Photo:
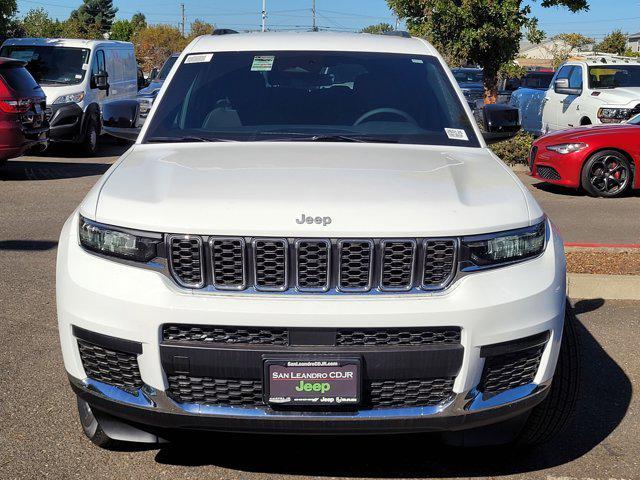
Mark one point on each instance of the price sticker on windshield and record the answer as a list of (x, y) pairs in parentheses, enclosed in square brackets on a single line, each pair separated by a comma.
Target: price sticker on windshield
[(262, 63), (456, 134), (199, 58)]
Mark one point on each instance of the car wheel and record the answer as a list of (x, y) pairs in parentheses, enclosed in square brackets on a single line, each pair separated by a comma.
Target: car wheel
[(89, 144), (91, 427), (554, 413), (606, 174)]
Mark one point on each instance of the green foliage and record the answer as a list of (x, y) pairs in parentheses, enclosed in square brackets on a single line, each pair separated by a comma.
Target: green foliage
[(516, 150), (121, 30), (199, 27), (95, 15), (75, 28), (8, 9), (575, 40), (378, 28), (615, 42), (483, 32), (631, 53), (38, 23), (512, 70), (139, 21)]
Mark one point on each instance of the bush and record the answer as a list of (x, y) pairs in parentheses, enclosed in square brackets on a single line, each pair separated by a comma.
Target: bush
[(516, 150)]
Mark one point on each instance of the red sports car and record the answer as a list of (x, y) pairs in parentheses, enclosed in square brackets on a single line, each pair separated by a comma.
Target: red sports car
[(604, 160)]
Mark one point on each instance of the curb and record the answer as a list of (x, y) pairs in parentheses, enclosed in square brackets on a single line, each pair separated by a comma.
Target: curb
[(606, 287), (519, 168)]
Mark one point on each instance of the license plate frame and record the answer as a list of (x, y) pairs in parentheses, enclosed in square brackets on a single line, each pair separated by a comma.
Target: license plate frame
[(343, 392)]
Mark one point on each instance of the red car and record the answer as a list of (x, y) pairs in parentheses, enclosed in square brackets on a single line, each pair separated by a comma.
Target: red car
[(23, 123), (604, 160)]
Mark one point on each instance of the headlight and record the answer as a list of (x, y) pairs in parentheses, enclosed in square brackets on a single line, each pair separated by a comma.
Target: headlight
[(70, 98), (565, 148), (614, 115), (484, 251), (115, 242)]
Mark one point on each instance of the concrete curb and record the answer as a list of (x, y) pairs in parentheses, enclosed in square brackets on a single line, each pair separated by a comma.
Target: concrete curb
[(607, 287), (519, 168)]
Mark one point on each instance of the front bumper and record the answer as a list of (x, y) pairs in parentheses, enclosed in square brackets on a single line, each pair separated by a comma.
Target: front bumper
[(66, 122), (567, 167), (132, 304)]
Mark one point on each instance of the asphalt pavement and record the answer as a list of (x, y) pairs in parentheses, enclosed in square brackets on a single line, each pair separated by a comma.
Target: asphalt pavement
[(39, 432)]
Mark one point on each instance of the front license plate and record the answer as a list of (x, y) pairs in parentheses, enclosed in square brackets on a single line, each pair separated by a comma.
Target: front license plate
[(309, 381)]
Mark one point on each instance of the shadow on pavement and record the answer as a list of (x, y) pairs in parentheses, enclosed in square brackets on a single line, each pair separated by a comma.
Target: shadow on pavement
[(605, 398), (573, 192), (107, 147), (27, 245), (20, 170)]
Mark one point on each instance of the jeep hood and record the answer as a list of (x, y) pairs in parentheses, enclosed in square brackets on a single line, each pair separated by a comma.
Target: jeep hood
[(261, 188)]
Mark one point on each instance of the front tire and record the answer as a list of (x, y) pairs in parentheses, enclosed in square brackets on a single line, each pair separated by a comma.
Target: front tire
[(91, 427), (554, 413), (89, 143), (606, 174)]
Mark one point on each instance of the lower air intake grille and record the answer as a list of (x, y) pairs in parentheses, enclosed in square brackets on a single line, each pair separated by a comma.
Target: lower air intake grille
[(248, 393), (211, 391), (511, 370), (226, 335), (548, 173), (185, 260), (439, 263), (410, 393), (112, 367), (400, 336)]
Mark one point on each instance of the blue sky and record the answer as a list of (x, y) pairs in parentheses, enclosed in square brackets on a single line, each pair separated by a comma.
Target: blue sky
[(604, 15)]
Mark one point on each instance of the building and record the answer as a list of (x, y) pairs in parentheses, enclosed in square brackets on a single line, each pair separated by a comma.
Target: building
[(633, 42)]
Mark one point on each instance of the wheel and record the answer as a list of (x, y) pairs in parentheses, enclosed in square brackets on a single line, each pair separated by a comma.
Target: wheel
[(550, 417), (89, 143), (92, 428), (606, 174)]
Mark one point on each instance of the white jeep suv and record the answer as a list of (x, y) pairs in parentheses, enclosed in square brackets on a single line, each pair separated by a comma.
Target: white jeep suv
[(310, 235)]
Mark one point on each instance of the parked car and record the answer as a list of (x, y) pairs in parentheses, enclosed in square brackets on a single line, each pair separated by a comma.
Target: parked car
[(293, 244), (603, 160), (77, 76), (23, 123), (471, 81), (536, 80), (147, 95), (589, 91)]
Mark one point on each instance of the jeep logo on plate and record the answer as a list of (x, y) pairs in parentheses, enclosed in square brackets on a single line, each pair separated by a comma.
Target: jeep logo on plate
[(324, 221)]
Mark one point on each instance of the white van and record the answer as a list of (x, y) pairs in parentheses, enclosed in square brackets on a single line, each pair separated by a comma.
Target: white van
[(77, 76)]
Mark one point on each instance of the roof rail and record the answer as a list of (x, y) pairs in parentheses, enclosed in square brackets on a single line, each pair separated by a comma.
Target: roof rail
[(397, 33), (606, 58)]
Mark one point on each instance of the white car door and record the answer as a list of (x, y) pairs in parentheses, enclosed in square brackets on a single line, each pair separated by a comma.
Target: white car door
[(570, 113), (553, 102)]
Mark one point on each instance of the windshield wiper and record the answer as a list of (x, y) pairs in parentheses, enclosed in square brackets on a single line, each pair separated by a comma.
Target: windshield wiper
[(188, 138), (299, 137)]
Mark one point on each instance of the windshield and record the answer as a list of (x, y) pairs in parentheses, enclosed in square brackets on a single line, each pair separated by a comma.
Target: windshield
[(166, 68), (614, 76), (288, 95), (468, 76), (634, 120), (51, 64)]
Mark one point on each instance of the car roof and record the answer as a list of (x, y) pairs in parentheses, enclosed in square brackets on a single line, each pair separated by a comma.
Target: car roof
[(64, 42), (319, 41)]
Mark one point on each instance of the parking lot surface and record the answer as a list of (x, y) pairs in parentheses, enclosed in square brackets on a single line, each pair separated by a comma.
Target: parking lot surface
[(40, 436)]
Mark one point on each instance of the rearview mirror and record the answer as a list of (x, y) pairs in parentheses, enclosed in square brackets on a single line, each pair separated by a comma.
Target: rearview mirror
[(100, 80), (498, 122), (561, 86), (120, 119)]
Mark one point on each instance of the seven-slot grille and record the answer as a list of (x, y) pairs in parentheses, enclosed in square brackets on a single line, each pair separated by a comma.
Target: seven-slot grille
[(312, 265)]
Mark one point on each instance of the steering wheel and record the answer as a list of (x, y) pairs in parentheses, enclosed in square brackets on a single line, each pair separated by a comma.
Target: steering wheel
[(377, 111)]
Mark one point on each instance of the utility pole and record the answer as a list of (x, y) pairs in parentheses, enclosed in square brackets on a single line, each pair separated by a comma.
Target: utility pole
[(264, 15), (397, 22), (313, 13), (182, 22)]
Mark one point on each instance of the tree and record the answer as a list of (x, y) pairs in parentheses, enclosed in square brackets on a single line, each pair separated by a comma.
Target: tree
[(482, 32), (38, 23), (138, 21), (199, 27), (121, 30), (156, 43), (615, 42), (74, 28), (563, 45), (95, 14), (8, 9), (378, 28)]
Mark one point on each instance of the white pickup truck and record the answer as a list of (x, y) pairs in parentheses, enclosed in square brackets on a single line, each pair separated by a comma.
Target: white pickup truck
[(592, 90)]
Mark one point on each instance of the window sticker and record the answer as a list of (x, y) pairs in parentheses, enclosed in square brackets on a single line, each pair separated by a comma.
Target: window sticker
[(456, 134), (85, 66), (417, 60), (199, 58), (78, 76), (262, 63)]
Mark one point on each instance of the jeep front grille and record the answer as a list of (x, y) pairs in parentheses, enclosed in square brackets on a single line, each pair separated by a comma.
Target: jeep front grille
[(312, 265)]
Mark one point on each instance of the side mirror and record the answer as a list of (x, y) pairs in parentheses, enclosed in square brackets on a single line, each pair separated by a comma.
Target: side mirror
[(561, 86), (498, 122), (153, 74), (100, 80), (120, 118)]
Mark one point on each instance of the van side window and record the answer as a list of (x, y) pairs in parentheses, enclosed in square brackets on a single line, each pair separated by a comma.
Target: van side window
[(575, 79)]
